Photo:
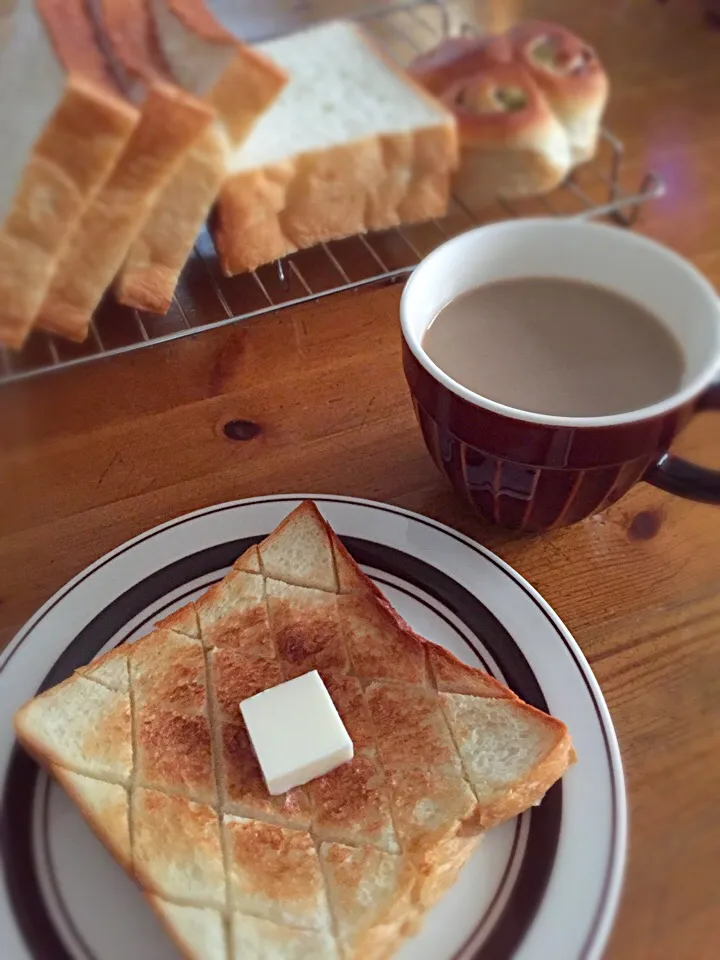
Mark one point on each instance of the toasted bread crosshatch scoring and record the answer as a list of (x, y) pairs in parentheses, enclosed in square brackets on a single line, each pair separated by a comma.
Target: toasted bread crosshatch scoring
[(149, 742)]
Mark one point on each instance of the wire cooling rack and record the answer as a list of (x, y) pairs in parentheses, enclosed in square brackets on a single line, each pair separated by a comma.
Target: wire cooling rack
[(205, 298)]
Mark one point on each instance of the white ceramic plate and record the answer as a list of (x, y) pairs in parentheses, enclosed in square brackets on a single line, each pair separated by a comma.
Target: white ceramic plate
[(545, 886)]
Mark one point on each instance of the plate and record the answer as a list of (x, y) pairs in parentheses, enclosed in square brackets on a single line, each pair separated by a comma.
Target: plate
[(544, 885)]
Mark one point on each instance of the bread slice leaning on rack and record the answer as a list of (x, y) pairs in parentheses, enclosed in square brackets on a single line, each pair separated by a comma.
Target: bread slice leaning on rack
[(170, 123), (149, 742), (238, 84), (351, 145), (63, 124)]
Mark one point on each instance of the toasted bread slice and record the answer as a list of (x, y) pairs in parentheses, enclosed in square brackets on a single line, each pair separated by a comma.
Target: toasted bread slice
[(346, 866)]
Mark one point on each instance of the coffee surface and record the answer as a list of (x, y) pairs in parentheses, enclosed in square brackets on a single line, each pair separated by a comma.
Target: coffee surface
[(555, 346)]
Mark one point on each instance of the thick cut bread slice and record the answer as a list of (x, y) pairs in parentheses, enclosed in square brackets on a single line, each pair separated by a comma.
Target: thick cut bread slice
[(170, 123), (238, 84), (63, 124), (351, 145), (150, 743)]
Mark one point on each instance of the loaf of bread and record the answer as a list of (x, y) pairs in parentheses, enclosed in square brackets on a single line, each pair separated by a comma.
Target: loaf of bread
[(351, 145), (528, 105), (150, 743)]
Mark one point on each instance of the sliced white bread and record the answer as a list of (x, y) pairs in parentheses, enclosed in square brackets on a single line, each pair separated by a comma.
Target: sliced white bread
[(63, 124), (170, 123), (352, 144), (239, 84)]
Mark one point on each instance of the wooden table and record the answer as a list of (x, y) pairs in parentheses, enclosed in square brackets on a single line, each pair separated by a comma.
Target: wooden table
[(94, 455)]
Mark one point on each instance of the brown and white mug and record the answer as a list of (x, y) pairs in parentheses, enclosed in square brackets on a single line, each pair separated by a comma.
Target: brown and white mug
[(530, 471)]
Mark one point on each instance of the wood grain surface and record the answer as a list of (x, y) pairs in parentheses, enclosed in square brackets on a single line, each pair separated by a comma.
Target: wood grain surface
[(94, 455)]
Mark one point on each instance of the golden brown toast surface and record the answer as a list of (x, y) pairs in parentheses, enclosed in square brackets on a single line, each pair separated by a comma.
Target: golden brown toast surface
[(150, 743)]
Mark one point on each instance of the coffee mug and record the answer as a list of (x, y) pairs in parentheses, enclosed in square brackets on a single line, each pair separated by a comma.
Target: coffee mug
[(529, 471)]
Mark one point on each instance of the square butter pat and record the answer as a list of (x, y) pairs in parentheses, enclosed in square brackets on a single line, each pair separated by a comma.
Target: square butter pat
[(296, 732)]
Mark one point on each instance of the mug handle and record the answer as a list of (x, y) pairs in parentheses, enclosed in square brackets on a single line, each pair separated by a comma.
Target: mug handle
[(678, 476)]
